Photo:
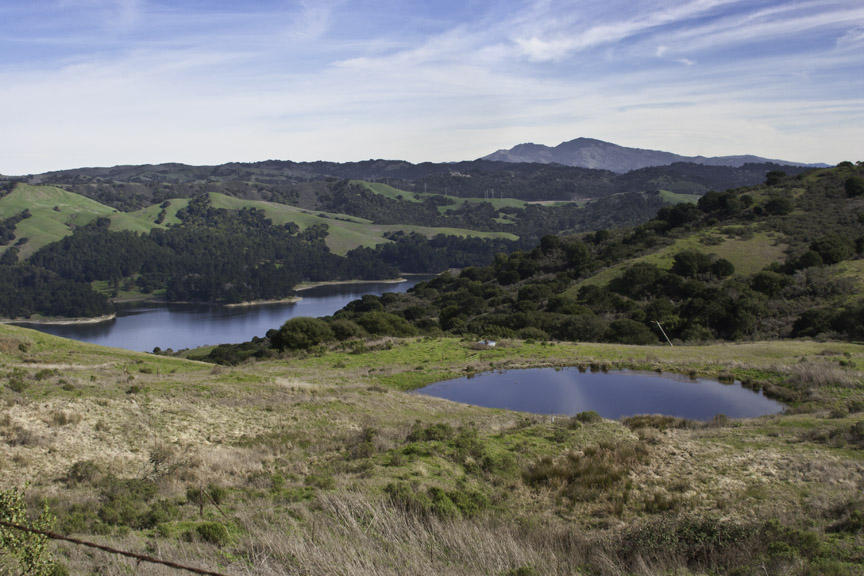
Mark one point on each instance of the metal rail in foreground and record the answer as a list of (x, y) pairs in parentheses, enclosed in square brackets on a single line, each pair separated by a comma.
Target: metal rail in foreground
[(110, 550)]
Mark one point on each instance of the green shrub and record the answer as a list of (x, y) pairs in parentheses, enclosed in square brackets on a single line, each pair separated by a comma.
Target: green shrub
[(301, 333), (125, 502), (440, 431), (213, 533), (588, 417)]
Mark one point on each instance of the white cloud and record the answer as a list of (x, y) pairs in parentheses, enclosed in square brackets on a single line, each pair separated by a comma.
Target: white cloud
[(244, 88)]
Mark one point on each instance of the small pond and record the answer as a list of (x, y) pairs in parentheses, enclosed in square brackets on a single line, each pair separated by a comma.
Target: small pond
[(612, 395)]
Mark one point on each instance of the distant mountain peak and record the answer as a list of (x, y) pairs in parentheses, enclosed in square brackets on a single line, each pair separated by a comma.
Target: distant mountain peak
[(598, 154)]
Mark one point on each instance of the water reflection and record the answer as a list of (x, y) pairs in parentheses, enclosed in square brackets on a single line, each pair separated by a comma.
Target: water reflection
[(146, 326), (612, 395)]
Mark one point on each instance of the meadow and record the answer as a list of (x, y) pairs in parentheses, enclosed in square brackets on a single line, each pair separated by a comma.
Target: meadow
[(320, 462)]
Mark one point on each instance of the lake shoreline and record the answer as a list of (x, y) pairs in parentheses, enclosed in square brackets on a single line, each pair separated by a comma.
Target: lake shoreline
[(59, 321), (289, 300), (309, 285)]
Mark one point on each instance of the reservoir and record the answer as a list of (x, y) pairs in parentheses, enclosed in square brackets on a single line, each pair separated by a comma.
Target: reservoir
[(613, 395), (143, 327)]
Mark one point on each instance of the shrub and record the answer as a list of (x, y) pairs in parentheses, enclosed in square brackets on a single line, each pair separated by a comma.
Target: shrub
[(626, 331), (588, 417), (301, 333), (833, 248), (440, 431), (213, 533), (854, 186), (583, 476), (346, 329), (83, 472), (779, 206)]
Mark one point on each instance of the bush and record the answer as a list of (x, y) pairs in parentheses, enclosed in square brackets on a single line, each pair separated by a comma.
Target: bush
[(597, 470), (346, 329), (588, 417), (854, 186), (385, 323), (301, 333), (83, 472), (28, 551), (626, 331), (779, 206), (213, 533), (440, 432), (833, 249)]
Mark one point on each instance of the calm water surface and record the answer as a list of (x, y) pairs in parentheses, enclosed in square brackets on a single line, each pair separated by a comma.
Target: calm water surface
[(145, 326), (612, 395)]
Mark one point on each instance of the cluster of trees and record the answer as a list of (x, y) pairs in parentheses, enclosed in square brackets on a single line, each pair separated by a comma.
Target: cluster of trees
[(7, 226), (215, 255), (25, 290)]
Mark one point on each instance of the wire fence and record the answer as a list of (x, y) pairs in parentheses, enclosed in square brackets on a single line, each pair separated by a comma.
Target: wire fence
[(111, 550)]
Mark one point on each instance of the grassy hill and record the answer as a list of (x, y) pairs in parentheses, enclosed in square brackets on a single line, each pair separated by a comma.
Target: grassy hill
[(748, 251), (344, 232), (320, 463), (56, 212)]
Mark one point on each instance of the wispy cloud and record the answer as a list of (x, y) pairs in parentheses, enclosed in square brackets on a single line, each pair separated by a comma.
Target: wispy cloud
[(149, 81)]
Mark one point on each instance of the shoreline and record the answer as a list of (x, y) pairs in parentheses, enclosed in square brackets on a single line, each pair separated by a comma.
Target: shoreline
[(59, 321), (289, 300), (309, 285)]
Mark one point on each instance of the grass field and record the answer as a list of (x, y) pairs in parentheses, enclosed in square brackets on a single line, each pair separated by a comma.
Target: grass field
[(678, 198), (319, 463), (54, 213), (749, 254)]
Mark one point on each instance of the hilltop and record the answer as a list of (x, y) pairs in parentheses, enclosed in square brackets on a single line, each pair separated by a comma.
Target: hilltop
[(597, 154)]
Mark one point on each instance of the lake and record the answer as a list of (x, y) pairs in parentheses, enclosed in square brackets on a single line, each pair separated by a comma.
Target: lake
[(612, 395), (143, 327)]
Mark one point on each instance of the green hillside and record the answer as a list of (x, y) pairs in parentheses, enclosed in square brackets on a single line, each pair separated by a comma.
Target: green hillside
[(748, 251), (455, 202), (344, 232), (56, 212), (773, 261)]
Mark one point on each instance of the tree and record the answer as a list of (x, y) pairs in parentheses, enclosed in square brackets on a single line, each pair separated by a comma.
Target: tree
[(833, 248), (854, 186), (626, 331)]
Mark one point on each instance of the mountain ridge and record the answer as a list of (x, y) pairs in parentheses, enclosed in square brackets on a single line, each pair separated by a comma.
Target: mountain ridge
[(601, 155)]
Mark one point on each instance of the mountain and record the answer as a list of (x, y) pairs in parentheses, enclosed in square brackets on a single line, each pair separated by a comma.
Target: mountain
[(597, 154)]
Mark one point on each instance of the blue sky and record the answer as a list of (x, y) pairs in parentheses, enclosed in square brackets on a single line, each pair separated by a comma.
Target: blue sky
[(104, 82)]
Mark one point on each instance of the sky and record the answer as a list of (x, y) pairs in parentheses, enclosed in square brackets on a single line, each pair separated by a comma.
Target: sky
[(106, 82)]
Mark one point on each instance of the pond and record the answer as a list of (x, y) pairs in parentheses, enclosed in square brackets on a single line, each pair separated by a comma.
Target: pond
[(612, 395), (143, 327)]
